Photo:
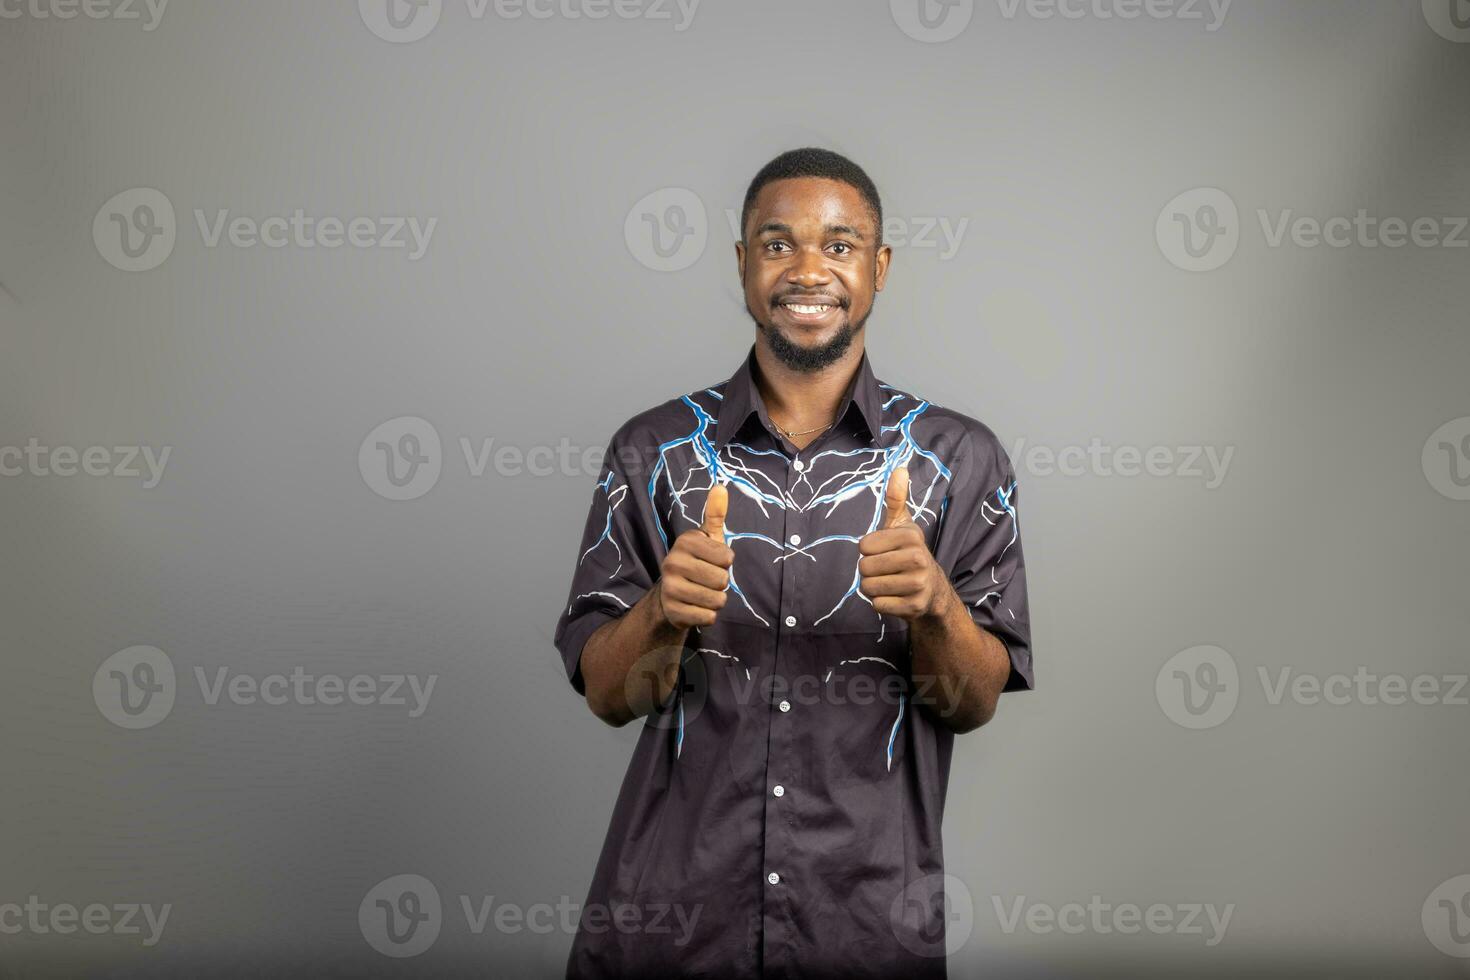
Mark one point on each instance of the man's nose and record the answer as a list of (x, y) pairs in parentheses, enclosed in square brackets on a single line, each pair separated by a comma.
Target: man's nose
[(809, 269)]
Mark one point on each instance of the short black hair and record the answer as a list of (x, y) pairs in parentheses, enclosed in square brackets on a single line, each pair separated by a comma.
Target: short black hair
[(812, 161)]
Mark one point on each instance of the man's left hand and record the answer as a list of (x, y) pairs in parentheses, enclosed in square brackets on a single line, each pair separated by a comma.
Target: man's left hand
[(897, 571)]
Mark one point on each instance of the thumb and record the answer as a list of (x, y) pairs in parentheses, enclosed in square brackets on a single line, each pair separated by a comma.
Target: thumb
[(716, 504), (896, 498)]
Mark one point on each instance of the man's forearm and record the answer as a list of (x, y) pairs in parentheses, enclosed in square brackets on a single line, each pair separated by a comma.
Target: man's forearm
[(969, 665), (636, 654)]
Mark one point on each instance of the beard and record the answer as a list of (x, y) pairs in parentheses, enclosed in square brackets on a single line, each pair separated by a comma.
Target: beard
[(808, 359)]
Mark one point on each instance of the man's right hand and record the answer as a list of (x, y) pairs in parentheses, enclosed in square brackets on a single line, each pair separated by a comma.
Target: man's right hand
[(695, 572)]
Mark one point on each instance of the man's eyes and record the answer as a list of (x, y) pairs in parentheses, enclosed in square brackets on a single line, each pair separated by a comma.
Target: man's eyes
[(846, 248)]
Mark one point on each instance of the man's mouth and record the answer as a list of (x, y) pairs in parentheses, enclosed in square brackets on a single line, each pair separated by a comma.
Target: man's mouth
[(813, 310)]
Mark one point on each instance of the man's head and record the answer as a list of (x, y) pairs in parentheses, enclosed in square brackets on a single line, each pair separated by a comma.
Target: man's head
[(811, 255)]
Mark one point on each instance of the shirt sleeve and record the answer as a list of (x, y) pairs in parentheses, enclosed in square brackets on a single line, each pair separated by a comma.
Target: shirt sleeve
[(979, 547), (618, 558)]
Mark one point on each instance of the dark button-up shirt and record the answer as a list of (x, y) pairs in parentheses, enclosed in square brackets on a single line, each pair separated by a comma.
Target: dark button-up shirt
[(781, 813)]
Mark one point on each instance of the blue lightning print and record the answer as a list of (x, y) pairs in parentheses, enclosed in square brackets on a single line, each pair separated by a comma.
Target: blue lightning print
[(859, 475), (863, 474), (993, 514)]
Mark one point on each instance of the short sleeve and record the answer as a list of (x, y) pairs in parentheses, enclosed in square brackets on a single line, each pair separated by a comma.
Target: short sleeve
[(979, 547), (617, 559)]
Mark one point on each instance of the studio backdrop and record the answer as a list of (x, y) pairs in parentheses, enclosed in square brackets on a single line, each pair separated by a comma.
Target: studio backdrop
[(317, 318)]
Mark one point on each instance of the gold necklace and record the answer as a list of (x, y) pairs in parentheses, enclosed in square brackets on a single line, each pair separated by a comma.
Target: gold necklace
[(792, 435)]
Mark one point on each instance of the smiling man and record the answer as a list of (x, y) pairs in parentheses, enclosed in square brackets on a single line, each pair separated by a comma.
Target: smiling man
[(807, 581)]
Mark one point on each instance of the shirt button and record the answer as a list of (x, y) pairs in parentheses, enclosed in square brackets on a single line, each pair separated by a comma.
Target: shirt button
[(795, 539), (798, 466), (773, 878), (784, 705), (779, 790), (790, 620)]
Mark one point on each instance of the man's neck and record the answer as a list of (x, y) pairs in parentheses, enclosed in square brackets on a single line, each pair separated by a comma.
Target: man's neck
[(797, 400)]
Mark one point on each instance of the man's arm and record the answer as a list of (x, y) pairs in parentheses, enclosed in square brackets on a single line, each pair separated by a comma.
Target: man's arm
[(640, 638), (631, 664), (969, 665)]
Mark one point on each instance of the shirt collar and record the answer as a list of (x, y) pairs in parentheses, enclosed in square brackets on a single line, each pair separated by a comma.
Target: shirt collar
[(742, 397)]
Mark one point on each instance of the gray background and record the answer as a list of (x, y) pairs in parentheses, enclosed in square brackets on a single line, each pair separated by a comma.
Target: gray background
[(531, 319)]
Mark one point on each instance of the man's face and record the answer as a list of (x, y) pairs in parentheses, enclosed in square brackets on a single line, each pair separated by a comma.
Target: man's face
[(810, 264)]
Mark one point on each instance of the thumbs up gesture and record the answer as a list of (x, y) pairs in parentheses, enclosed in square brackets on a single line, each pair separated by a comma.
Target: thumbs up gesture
[(696, 571), (897, 572)]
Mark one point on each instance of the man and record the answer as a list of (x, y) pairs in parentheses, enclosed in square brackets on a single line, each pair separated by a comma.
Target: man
[(808, 581)]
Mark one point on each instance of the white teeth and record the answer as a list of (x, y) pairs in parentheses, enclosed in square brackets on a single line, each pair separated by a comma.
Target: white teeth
[(810, 310)]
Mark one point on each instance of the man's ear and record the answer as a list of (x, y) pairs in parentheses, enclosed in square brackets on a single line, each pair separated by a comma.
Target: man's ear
[(740, 260), (880, 273)]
